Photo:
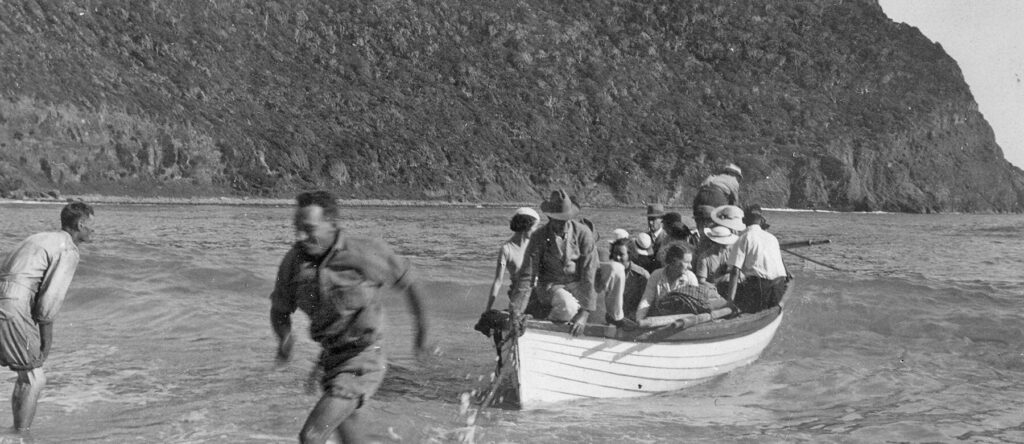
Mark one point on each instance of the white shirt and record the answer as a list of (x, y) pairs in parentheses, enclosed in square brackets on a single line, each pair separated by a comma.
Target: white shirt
[(511, 256), (757, 253), (42, 266), (658, 286)]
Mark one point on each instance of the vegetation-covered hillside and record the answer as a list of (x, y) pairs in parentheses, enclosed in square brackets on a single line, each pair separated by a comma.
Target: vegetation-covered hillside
[(825, 103)]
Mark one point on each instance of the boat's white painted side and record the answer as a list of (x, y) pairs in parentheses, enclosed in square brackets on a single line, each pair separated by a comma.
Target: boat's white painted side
[(554, 366)]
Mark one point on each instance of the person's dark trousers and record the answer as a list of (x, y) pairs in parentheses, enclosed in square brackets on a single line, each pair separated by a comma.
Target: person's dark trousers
[(755, 294)]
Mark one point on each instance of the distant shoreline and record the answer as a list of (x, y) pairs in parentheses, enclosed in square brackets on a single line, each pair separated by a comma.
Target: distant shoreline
[(283, 202), (254, 201)]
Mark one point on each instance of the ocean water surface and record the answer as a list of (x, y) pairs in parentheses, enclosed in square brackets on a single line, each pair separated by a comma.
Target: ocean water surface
[(165, 337)]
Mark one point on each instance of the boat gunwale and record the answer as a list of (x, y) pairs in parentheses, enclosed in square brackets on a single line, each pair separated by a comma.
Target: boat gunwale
[(712, 331)]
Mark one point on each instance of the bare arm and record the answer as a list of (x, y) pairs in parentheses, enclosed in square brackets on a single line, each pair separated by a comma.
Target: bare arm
[(524, 280), (54, 286), (499, 276), (646, 300), (282, 324), (414, 297), (45, 339), (734, 280)]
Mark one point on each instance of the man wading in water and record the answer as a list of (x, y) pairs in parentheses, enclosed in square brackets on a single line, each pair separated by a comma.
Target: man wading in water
[(34, 280), (340, 283)]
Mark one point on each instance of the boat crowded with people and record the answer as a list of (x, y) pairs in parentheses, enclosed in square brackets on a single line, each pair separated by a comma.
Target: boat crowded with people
[(664, 330), (543, 363)]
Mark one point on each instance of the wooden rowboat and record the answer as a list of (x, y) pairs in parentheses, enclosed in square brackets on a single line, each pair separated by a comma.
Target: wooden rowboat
[(546, 364)]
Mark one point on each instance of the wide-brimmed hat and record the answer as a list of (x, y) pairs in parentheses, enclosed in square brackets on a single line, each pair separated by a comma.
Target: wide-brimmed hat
[(733, 169), (729, 216), (655, 210), (721, 235), (527, 211), (559, 206)]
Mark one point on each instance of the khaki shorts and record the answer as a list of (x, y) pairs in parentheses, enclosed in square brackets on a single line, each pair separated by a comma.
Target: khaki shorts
[(555, 302), (19, 333), (358, 377)]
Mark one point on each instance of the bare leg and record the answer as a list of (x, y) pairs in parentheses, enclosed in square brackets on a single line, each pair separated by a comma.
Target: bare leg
[(330, 414), (350, 430), (26, 396)]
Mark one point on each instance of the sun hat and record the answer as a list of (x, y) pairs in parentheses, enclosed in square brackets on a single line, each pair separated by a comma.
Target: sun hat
[(559, 206), (643, 242), (618, 233), (655, 210), (721, 235), (729, 216), (733, 168), (528, 212)]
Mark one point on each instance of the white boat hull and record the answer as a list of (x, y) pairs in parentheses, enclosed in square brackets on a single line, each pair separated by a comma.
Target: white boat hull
[(553, 366)]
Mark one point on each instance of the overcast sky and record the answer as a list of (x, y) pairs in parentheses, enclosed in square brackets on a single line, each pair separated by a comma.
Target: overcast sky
[(986, 38)]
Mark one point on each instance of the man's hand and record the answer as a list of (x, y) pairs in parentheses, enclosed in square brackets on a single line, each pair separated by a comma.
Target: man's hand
[(578, 322), (284, 348)]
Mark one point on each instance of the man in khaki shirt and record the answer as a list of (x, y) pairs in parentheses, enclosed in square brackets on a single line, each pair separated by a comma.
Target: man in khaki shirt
[(34, 279), (556, 280), (341, 283)]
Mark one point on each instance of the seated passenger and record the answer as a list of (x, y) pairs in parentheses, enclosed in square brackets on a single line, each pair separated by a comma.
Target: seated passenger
[(671, 278), (556, 280), (756, 256), (642, 254), (676, 233), (622, 282), (710, 257), (654, 226)]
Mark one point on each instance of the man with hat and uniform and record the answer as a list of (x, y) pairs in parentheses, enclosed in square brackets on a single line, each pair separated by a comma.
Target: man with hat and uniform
[(655, 213), (562, 260), (718, 189)]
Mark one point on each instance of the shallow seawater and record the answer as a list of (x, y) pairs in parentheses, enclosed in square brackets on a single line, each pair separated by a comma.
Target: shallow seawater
[(165, 335)]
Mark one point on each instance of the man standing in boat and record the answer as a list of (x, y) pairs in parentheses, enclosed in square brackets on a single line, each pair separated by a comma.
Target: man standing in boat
[(340, 283), (655, 229), (717, 190), (562, 260), (34, 280)]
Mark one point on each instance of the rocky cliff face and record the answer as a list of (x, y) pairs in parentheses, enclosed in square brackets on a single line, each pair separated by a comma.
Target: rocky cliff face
[(825, 103)]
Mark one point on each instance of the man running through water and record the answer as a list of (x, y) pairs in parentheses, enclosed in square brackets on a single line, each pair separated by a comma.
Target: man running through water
[(340, 283)]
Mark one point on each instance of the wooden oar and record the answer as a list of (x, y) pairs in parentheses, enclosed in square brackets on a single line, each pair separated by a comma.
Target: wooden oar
[(682, 323), (803, 243), (813, 261)]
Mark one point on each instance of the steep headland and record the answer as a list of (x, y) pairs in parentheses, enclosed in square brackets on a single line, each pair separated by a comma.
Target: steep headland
[(824, 103)]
